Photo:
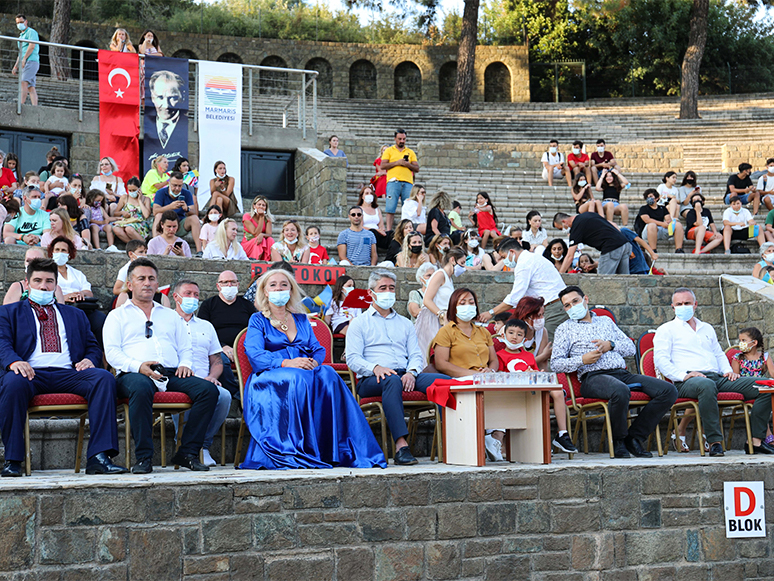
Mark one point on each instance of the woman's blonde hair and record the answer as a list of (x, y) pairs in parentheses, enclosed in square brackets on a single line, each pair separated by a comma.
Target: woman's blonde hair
[(440, 200), (114, 39), (113, 165), (415, 191), (301, 238), (67, 227), (406, 252), (294, 305), (265, 201), (221, 238), (155, 162)]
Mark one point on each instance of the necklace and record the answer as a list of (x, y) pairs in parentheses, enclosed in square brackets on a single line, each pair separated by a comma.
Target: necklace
[(282, 324)]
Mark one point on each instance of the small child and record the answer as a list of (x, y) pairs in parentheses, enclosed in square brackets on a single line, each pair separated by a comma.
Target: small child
[(77, 220), (515, 358), (317, 253), (209, 228), (56, 185), (752, 360), (484, 216), (338, 316), (99, 220), (134, 249), (31, 178), (499, 323), (76, 189), (586, 265)]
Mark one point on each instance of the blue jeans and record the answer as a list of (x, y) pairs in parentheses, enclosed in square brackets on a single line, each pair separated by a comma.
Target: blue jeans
[(396, 190), (391, 389), (744, 197), (218, 417)]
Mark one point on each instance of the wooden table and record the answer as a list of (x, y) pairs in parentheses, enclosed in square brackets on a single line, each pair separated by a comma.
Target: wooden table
[(523, 410)]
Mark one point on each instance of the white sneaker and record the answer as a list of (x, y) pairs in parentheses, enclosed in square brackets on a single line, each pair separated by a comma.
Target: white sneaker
[(208, 461), (112, 248), (494, 448)]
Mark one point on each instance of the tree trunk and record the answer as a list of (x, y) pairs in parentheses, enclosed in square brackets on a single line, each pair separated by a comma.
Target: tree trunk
[(466, 58), (60, 33), (697, 40)]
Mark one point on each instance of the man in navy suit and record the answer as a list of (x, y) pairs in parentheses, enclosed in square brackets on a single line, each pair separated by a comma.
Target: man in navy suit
[(49, 348)]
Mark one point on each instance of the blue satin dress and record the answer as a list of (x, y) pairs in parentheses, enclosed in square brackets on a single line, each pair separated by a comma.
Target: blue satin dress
[(300, 418)]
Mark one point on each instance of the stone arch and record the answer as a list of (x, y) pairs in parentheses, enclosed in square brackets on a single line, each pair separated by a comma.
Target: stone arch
[(230, 57), (184, 53), (362, 80), (90, 69), (408, 82), (447, 78), (273, 82), (324, 79), (497, 83)]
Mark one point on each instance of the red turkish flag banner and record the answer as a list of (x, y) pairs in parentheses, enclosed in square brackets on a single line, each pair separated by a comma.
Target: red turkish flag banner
[(119, 111)]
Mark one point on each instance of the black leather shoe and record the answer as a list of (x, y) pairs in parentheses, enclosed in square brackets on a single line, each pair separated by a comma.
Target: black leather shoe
[(189, 461), (12, 468), (635, 448), (404, 457), (619, 449), (143, 466), (716, 449), (101, 464), (764, 448)]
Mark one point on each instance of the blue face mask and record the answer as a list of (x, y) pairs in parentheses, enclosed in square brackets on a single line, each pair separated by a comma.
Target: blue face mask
[(684, 312), (36, 203), (189, 305), (384, 300), (577, 312), (41, 297), (279, 298), (466, 312), (509, 262), (21, 26)]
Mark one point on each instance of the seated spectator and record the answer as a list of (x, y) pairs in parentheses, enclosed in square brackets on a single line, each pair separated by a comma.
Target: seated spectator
[(76, 189), (190, 176), (414, 208), (60, 226), (150, 348), (383, 353), (498, 326), (765, 186), (333, 149), (76, 217), (583, 196), (9, 209), (177, 199), (107, 182), (535, 234), (279, 265), (439, 245), (222, 191), (356, 245), (257, 223), (317, 252), (456, 228), (413, 253), (8, 180), (120, 42), (477, 258), (225, 245), (602, 160), (134, 250), (321, 425), (686, 351), (48, 348), (30, 223), (654, 223), (437, 221), (229, 314), (167, 242), (96, 212), (752, 360), (20, 290), (484, 217), (704, 229), (206, 357), (134, 211), (739, 224), (764, 268), (586, 265), (398, 235), (338, 317), (610, 183), (592, 230), (156, 178), (637, 262), (373, 220), (556, 251), (379, 179), (553, 164), (741, 186), (679, 205), (210, 226), (578, 161), (291, 248), (56, 185), (11, 161), (416, 296), (514, 357), (532, 311), (595, 348)]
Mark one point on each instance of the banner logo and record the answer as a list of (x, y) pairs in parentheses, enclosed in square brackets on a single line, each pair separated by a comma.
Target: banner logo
[(744, 509), (220, 91)]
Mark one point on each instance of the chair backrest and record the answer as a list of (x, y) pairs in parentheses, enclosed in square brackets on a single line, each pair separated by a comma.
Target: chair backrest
[(244, 369), (602, 311), (731, 351), (571, 385), (645, 342), (324, 336), (648, 364)]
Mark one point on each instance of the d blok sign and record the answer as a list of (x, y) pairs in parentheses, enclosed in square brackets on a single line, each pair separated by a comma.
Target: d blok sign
[(744, 508), (307, 273)]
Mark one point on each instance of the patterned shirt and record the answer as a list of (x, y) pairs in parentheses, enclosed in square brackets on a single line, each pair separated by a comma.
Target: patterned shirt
[(574, 338)]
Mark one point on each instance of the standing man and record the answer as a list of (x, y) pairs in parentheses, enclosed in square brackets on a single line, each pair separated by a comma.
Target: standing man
[(595, 348), (686, 351), (229, 314), (181, 201), (534, 276), (401, 164), (355, 244), (28, 61), (593, 230), (149, 347)]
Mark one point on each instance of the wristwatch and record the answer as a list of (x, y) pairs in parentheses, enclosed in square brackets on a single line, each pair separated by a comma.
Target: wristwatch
[(413, 372), (612, 345), (491, 312)]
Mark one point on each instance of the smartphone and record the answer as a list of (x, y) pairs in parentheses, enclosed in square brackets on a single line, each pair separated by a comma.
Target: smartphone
[(406, 157), (178, 244)]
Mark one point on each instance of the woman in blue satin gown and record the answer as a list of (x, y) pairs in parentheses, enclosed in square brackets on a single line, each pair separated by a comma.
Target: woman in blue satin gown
[(299, 412)]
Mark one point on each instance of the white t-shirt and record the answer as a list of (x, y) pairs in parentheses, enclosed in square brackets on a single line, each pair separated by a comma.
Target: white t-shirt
[(769, 183), (664, 192), (123, 272), (75, 281), (59, 189), (409, 212), (339, 314), (552, 158), (207, 233), (743, 216)]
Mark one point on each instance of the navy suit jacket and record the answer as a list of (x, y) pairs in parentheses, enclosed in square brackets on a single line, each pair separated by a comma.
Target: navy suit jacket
[(18, 335)]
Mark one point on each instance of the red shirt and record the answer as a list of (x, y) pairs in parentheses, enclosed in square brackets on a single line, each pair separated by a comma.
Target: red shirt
[(580, 158), (513, 362), (317, 255)]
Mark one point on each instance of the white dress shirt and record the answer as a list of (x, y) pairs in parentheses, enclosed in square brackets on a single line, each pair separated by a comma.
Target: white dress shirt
[(127, 348), (61, 358), (534, 276), (204, 342), (75, 281), (678, 350), (235, 252)]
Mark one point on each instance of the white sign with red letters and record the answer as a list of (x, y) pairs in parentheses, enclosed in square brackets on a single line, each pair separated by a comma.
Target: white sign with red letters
[(744, 507)]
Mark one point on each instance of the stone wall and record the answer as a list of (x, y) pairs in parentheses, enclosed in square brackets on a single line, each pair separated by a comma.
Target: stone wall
[(321, 184), (619, 523)]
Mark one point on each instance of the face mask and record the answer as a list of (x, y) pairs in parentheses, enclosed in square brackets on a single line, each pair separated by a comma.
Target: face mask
[(651, 200), (513, 346), (769, 257), (745, 347), (314, 238), (582, 183), (229, 292), (509, 262), (189, 304), (60, 258), (473, 243), (36, 203), (41, 297), (697, 202), (458, 270), (444, 249), (577, 312), (466, 312), (684, 312), (214, 217), (134, 194), (565, 231), (552, 149), (346, 290), (21, 26), (415, 249), (97, 204), (575, 151), (291, 240), (384, 300), (221, 175), (601, 149), (539, 324), (107, 173), (279, 298), (368, 198), (771, 169), (75, 190), (736, 211)]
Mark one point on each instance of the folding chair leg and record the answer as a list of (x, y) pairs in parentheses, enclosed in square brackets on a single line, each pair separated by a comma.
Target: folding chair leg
[(658, 440), (163, 440), (79, 447), (569, 426), (747, 427), (180, 422), (127, 437), (585, 434), (223, 444), (699, 429), (609, 432), (238, 451), (670, 424), (27, 454)]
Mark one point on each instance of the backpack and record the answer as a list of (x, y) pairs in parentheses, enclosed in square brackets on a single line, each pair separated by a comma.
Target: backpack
[(739, 249)]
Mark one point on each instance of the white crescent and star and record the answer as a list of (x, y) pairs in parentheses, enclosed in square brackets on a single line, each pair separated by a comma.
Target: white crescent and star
[(124, 73)]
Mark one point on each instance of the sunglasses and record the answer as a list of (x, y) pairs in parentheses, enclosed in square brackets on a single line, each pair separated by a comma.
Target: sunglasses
[(356, 215), (148, 330)]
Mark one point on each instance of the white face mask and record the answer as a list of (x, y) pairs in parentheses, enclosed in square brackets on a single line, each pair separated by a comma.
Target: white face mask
[(220, 175), (601, 149), (575, 151), (582, 183), (346, 290), (229, 292), (513, 346), (314, 238), (473, 243), (769, 257), (538, 324), (214, 217), (291, 241), (553, 149), (60, 258), (466, 312), (134, 194), (368, 198), (771, 169)]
